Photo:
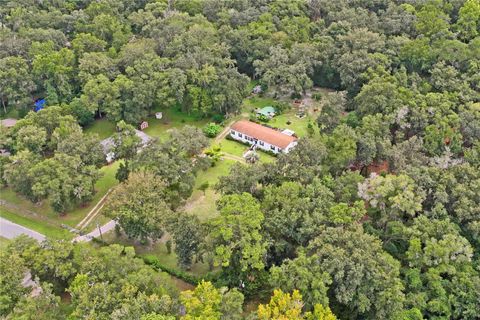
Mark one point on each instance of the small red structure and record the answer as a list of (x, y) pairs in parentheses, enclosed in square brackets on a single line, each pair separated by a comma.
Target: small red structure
[(143, 125)]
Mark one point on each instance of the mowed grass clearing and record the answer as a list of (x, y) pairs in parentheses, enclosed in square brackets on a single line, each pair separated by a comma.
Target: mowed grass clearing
[(171, 118), (204, 205), (103, 127)]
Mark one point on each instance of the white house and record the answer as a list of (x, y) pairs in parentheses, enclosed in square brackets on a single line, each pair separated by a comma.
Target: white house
[(262, 137)]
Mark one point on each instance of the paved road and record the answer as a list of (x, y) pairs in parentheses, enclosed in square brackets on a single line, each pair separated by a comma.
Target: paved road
[(11, 230), (96, 233)]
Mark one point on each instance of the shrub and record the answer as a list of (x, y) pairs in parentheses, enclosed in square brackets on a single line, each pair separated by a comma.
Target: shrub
[(211, 130), (263, 118), (218, 118), (281, 107), (317, 96), (168, 245)]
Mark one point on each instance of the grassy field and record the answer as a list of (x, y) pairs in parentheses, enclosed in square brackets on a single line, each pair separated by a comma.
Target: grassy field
[(54, 231)]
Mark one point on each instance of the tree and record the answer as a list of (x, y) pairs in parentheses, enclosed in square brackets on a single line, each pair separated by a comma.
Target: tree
[(431, 20), (100, 95), (139, 206), (467, 24), (302, 164), (112, 283), (332, 110), (126, 143), (204, 186), (283, 306), (189, 140), (16, 82), (86, 42), (208, 302), (252, 157), (293, 214), (54, 70), (12, 270), (238, 243), (187, 233), (211, 130), (15, 173), (283, 73), (439, 278), (65, 179), (44, 306), (362, 279), (31, 138), (395, 197), (242, 178), (174, 167), (341, 148)]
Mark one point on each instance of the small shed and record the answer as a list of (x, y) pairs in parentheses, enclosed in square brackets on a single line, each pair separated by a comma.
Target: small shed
[(143, 125), (39, 105), (257, 89), (8, 123), (267, 111)]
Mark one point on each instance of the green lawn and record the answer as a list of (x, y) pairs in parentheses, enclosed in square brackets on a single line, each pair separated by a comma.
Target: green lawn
[(102, 127), (172, 118), (238, 149), (255, 102), (38, 224), (297, 125), (204, 205), (232, 147)]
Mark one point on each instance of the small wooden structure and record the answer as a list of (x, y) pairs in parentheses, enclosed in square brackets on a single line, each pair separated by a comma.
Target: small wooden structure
[(143, 125)]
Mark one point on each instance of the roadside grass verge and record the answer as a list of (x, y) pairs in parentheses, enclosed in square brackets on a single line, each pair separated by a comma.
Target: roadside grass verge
[(37, 224)]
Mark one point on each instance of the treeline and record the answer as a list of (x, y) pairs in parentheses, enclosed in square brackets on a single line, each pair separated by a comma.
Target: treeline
[(111, 283)]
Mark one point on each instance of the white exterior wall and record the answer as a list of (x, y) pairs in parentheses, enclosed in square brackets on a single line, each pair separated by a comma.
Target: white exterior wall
[(266, 146)]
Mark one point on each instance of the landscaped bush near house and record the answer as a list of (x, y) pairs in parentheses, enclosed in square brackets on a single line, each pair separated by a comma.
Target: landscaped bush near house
[(263, 118), (211, 130), (218, 118)]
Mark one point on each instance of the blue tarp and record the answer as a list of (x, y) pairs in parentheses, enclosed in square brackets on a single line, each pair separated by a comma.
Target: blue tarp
[(39, 105)]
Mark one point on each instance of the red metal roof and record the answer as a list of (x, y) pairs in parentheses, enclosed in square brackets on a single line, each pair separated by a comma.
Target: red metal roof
[(263, 133)]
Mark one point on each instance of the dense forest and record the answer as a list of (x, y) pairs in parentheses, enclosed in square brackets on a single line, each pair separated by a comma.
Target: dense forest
[(375, 217)]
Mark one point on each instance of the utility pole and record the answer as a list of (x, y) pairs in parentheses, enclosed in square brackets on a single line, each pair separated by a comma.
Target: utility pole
[(100, 231)]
